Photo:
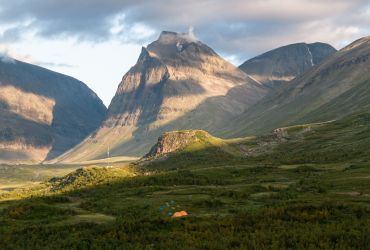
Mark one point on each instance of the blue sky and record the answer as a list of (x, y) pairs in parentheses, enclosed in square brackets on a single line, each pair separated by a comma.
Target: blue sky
[(97, 41)]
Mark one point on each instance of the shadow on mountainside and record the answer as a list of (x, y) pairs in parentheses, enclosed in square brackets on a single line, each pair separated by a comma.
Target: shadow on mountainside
[(9, 130), (76, 113), (148, 101), (211, 115)]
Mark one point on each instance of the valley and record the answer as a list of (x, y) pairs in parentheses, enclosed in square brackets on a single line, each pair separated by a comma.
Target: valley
[(192, 152), (301, 186)]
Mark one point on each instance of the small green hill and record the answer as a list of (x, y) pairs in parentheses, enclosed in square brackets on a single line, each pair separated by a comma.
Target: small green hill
[(188, 141), (334, 141), (195, 147), (171, 142), (90, 176)]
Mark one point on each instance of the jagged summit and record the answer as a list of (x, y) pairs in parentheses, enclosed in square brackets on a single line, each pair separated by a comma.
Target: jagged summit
[(173, 37), (180, 49)]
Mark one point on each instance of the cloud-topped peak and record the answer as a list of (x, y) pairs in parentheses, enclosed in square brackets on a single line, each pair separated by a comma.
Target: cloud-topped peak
[(167, 37), (176, 47)]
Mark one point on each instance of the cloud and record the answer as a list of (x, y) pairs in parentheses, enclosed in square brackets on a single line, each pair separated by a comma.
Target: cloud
[(54, 65), (234, 27), (6, 59), (9, 55), (190, 34)]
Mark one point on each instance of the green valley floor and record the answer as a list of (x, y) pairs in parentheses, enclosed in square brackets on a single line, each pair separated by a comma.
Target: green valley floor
[(301, 187)]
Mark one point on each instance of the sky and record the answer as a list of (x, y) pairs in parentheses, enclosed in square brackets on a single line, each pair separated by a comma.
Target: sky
[(97, 41)]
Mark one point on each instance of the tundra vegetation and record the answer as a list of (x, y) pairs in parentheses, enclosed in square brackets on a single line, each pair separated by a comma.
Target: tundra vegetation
[(301, 187)]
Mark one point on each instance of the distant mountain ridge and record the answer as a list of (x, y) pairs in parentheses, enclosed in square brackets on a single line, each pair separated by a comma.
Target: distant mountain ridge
[(177, 83), (337, 87), (43, 113), (285, 63)]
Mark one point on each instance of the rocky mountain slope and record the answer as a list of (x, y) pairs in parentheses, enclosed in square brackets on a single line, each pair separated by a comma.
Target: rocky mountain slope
[(177, 83), (337, 87), (283, 64), (43, 113)]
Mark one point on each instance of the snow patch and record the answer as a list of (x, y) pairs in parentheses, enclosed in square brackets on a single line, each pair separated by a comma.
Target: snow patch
[(311, 57)]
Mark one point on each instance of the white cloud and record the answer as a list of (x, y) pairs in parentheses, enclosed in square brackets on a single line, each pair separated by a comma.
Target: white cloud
[(189, 35)]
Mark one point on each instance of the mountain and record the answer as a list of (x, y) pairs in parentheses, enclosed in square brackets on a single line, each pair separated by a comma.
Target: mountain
[(285, 63), (43, 113), (337, 87), (177, 83)]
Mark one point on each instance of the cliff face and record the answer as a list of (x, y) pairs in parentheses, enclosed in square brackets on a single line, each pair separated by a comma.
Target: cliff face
[(43, 113), (177, 83)]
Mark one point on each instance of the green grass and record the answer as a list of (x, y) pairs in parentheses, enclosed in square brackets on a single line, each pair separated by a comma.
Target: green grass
[(309, 190)]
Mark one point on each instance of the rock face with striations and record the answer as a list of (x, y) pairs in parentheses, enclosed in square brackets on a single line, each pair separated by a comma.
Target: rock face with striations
[(172, 77), (177, 83), (42, 113), (285, 63)]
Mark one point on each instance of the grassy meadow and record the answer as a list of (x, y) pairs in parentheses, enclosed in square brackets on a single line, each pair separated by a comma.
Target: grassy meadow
[(302, 187)]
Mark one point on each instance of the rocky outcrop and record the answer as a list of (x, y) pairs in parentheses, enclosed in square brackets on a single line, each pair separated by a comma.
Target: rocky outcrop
[(172, 141)]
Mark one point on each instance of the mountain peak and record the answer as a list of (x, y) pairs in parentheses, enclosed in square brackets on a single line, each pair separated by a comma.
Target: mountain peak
[(171, 44), (167, 34), (283, 64), (359, 42), (173, 37), (177, 83), (180, 49)]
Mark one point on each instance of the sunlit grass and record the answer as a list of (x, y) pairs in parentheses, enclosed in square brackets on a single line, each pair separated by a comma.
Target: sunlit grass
[(310, 190)]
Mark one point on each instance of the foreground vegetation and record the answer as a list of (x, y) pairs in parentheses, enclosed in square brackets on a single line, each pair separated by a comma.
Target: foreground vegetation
[(303, 187)]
